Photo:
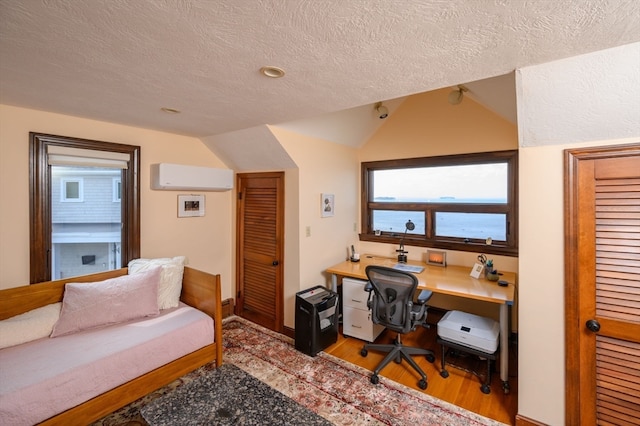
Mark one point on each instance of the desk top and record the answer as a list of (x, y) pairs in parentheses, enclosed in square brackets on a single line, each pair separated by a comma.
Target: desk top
[(453, 280)]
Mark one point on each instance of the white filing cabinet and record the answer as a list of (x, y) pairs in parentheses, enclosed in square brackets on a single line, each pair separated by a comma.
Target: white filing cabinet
[(356, 317)]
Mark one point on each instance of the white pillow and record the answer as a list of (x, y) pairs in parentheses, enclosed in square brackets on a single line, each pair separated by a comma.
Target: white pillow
[(170, 279), (32, 325)]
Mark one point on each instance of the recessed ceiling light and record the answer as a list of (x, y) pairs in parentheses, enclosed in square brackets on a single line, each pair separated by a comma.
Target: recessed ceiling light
[(272, 72), (170, 110)]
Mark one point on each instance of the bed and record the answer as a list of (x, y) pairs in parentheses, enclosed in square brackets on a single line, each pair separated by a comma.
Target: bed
[(163, 351)]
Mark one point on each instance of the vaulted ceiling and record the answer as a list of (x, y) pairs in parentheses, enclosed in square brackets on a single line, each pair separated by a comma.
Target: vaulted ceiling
[(122, 61)]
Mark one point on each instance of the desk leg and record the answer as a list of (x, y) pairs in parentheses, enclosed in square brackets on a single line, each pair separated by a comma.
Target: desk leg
[(504, 346), (334, 282)]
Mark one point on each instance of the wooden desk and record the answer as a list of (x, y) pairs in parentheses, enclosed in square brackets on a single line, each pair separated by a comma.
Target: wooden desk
[(452, 280)]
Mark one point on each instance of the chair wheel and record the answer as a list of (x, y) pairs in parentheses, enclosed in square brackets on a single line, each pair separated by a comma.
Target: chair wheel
[(364, 352), (431, 358), (375, 379), (485, 389), (422, 384), (398, 360), (444, 374)]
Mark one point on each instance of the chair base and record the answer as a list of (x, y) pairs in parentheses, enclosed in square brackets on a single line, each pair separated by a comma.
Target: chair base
[(397, 351)]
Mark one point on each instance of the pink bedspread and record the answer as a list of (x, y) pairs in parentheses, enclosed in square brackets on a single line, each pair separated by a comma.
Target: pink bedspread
[(48, 376)]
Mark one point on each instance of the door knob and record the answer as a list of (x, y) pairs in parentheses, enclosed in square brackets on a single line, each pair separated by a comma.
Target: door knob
[(275, 263), (593, 325)]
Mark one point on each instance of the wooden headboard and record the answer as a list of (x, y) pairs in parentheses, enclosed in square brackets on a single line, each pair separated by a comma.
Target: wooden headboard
[(18, 300)]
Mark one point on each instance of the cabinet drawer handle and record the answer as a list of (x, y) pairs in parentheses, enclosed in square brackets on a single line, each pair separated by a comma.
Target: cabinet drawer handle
[(357, 301), (356, 326)]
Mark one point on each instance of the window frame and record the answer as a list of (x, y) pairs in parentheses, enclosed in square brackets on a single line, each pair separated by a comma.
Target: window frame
[(40, 200), (508, 248)]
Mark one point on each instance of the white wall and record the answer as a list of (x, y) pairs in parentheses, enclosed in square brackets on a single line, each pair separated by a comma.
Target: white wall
[(597, 114), (580, 99)]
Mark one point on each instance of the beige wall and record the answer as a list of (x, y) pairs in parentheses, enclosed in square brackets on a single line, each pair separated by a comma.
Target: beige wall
[(323, 167), (427, 125), (204, 240)]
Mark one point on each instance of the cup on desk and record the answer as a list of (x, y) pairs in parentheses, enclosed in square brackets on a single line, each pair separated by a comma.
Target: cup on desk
[(355, 257)]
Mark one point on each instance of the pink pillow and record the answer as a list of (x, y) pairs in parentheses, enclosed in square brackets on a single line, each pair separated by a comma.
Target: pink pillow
[(107, 302)]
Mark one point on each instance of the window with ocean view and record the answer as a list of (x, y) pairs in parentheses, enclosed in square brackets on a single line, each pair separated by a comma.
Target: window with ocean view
[(458, 202)]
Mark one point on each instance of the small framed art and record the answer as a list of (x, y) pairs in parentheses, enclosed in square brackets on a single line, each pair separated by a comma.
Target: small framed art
[(476, 270), (436, 258), (327, 207), (190, 205)]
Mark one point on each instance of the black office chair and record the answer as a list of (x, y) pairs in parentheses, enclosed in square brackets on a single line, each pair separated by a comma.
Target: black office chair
[(391, 301)]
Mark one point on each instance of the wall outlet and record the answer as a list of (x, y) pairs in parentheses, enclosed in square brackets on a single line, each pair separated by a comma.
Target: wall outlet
[(308, 231)]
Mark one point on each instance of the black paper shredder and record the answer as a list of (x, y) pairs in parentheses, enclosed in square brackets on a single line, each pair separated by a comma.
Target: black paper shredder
[(316, 319)]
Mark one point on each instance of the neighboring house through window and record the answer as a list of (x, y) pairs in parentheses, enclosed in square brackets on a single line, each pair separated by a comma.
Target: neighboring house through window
[(84, 206), (117, 190)]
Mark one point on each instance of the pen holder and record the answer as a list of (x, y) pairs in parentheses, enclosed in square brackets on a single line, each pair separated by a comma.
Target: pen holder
[(492, 275)]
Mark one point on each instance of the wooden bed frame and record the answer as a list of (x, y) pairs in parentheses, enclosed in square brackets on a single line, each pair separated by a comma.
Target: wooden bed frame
[(199, 289)]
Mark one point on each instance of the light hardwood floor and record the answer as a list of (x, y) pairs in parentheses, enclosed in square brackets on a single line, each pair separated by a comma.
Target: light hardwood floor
[(461, 388)]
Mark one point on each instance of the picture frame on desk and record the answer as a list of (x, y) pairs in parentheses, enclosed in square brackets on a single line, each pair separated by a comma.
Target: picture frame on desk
[(477, 270), (437, 258)]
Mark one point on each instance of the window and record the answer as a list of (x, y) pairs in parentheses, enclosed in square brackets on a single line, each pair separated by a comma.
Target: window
[(71, 190), (74, 183), (462, 202)]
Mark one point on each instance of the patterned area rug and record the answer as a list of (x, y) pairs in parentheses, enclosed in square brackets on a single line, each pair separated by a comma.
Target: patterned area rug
[(228, 396), (336, 390)]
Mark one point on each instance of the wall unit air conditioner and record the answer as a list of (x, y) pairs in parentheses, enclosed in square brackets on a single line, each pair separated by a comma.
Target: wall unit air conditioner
[(177, 177)]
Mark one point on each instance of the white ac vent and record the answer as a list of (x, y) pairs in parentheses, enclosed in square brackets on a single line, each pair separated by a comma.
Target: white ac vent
[(179, 177)]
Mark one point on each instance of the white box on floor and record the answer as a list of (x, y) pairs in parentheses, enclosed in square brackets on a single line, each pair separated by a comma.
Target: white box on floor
[(470, 330)]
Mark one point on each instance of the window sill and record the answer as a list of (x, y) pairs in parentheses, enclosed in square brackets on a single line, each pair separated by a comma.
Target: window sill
[(443, 245)]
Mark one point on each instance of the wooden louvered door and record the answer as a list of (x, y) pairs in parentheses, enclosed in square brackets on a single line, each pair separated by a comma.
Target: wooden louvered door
[(602, 295), (260, 218)]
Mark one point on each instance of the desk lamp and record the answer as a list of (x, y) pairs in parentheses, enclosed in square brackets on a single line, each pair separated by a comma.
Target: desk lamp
[(402, 254)]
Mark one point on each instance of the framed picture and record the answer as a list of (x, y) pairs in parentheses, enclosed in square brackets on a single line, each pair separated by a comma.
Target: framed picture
[(477, 270), (327, 206), (437, 258), (190, 205)]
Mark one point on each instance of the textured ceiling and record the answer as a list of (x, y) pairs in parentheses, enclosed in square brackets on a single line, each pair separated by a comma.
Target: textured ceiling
[(122, 60)]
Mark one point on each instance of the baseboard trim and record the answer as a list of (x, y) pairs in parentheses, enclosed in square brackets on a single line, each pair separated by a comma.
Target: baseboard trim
[(525, 421), (289, 332), (227, 307)]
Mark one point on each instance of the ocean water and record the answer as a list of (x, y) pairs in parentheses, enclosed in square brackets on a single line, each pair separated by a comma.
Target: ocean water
[(447, 224)]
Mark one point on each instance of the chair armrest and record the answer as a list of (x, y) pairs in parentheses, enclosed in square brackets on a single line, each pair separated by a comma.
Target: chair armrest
[(424, 296), (369, 289)]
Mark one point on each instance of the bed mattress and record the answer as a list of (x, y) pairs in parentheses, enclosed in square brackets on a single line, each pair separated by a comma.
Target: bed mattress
[(45, 377)]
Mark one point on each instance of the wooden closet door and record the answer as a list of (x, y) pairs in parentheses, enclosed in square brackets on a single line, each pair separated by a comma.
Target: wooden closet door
[(260, 236), (603, 286)]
